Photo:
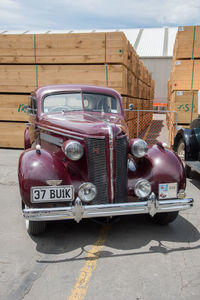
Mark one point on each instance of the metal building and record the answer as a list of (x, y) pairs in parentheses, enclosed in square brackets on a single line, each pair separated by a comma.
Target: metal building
[(155, 48), (153, 45)]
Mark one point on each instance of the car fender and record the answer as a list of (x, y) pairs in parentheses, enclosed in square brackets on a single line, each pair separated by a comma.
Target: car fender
[(27, 140), (36, 168), (191, 138), (160, 165)]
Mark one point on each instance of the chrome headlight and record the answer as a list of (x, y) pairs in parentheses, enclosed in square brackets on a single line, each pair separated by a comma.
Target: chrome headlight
[(142, 188), (73, 150), (87, 192), (139, 148)]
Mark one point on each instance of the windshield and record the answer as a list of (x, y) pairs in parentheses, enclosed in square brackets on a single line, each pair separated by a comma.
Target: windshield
[(101, 103), (60, 102), (73, 101)]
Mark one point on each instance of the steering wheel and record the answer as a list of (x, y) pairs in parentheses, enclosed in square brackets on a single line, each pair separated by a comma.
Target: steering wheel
[(100, 105)]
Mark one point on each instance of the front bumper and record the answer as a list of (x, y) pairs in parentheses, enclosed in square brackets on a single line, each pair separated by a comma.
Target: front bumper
[(79, 211)]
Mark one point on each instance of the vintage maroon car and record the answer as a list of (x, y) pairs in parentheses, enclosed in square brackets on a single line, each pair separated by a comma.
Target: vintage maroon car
[(79, 162)]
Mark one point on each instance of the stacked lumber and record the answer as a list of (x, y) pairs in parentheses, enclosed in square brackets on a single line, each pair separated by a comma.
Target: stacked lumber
[(103, 59), (184, 80)]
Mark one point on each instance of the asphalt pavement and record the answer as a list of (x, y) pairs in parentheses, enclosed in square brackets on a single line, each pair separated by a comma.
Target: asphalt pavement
[(132, 258)]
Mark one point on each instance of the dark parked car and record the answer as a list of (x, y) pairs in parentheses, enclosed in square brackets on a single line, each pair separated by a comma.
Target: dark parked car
[(79, 162), (187, 146)]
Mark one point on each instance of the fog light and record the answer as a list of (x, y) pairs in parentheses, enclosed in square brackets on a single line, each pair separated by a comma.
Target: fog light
[(142, 188), (87, 192), (181, 194)]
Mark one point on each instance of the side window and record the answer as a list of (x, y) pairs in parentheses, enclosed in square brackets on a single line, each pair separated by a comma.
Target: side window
[(33, 106)]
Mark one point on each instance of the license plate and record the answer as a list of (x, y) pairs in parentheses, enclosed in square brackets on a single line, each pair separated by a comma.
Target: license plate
[(52, 193), (168, 190)]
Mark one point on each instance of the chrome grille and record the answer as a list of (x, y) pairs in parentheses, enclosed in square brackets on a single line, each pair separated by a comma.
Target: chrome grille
[(121, 170), (97, 170)]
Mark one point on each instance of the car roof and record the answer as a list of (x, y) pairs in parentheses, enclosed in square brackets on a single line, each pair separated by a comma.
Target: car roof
[(48, 89)]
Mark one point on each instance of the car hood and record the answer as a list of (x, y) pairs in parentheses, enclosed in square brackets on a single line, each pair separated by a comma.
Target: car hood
[(85, 124)]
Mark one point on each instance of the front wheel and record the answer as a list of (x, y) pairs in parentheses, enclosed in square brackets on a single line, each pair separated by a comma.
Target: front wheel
[(165, 218), (35, 227)]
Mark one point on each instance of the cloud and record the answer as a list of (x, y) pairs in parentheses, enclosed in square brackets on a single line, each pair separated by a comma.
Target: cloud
[(9, 4), (143, 11), (96, 14)]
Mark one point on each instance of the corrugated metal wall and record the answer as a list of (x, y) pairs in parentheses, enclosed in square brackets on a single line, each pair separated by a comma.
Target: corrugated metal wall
[(160, 69)]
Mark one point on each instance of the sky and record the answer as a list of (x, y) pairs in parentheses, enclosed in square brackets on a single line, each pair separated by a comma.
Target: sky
[(96, 14)]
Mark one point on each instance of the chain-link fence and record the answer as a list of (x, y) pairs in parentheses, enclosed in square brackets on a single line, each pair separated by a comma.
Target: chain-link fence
[(152, 126)]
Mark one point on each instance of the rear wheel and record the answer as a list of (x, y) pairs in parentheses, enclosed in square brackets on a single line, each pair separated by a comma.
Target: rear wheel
[(165, 218), (35, 227)]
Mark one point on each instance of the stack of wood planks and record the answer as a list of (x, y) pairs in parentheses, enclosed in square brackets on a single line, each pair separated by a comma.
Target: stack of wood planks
[(28, 61), (184, 80)]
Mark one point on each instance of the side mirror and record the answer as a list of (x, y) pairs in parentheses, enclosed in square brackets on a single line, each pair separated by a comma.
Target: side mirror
[(131, 107), (25, 108)]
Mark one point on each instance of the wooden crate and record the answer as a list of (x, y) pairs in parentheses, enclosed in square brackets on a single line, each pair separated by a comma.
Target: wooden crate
[(149, 79), (186, 75), (132, 84), (9, 104), (145, 78), (12, 134), (142, 90), (172, 133), (76, 48), (17, 78), (181, 102), (17, 48), (125, 102), (133, 60), (102, 59), (141, 71), (22, 79), (183, 48), (147, 104)]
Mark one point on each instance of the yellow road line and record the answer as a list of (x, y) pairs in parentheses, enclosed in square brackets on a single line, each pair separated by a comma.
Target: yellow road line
[(80, 288)]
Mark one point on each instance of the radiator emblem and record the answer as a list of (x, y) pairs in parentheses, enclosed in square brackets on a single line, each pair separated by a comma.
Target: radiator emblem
[(54, 182), (96, 150)]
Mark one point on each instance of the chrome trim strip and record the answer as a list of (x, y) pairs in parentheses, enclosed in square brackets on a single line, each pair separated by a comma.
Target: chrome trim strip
[(111, 147), (80, 211), (61, 133), (51, 139)]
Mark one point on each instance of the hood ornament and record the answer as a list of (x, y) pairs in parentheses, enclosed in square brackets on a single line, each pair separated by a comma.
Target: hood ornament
[(54, 182)]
